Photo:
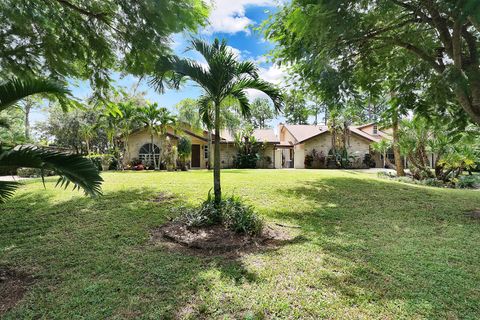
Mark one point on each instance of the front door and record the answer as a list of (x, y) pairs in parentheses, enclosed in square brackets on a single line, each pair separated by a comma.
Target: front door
[(195, 156)]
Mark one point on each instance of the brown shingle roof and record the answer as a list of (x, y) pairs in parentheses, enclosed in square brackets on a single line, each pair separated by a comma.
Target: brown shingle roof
[(303, 132), (262, 135)]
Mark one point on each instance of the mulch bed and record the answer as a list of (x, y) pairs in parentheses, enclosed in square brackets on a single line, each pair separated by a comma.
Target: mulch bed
[(217, 240), (163, 197), (475, 214), (13, 286)]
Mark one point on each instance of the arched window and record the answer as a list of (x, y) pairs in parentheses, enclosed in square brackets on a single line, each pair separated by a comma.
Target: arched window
[(146, 152)]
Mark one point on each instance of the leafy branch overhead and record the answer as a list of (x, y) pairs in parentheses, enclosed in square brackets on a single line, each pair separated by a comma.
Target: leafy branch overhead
[(433, 43)]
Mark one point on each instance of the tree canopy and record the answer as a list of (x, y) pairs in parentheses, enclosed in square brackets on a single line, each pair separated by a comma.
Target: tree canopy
[(341, 48), (88, 39)]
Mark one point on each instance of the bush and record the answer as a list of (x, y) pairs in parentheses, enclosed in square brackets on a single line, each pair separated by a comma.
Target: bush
[(470, 182), (231, 213), (33, 173), (101, 161), (245, 161)]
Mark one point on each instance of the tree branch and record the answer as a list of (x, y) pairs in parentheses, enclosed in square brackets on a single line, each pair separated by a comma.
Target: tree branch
[(96, 15), (420, 53)]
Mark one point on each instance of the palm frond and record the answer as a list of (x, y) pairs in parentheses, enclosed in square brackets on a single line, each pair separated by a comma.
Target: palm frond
[(15, 89), (205, 109), (71, 168), (171, 70), (247, 67), (7, 188)]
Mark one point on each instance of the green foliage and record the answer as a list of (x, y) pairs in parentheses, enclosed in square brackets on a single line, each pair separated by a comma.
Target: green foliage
[(261, 112), (296, 110), (348, 50), (315, 160), (248, 149), (34, 173), (15, 89), (468, 182), (89, 39), (14, 134), (225, 79), (184, 147), (231, 212), (70, 167)]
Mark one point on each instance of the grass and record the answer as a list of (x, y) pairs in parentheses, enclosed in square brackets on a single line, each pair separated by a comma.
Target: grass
[(368, 249)]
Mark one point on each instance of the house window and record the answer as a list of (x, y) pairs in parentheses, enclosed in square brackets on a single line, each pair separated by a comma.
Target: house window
[(205, 150), (375, 129), (147, 152)]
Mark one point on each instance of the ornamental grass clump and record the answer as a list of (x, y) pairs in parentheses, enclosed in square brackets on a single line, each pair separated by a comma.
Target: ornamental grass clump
[(231, 212)]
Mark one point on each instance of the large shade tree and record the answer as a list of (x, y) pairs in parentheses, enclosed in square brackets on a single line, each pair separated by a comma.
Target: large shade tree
[(223, 77), (329, 43), (88, 39)]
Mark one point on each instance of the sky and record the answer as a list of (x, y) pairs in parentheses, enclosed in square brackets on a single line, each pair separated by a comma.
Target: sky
[(233, 20)]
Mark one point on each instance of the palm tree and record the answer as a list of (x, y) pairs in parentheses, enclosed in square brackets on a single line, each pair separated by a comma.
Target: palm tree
[(157, 120), (165, 120), (128, 122), (223, 77), (382, 146), (79, 171)]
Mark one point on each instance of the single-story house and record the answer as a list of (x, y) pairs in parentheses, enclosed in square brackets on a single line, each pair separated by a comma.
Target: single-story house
[(285, 148), (297, 141), (139, 146)]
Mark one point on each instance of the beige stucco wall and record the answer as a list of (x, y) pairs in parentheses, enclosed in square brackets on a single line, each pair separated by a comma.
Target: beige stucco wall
[(285, 135), (357, 147), (278, 159), (140, 138), (268, 151), (299, 156), (321, 143)]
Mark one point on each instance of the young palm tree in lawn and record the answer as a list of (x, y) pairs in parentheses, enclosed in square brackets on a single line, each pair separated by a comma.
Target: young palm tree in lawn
[(223, 77), (79, 171), (157, 121)]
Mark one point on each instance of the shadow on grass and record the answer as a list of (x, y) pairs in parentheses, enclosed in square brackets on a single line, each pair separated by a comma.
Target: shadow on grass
[(93, 256), (396, 246)]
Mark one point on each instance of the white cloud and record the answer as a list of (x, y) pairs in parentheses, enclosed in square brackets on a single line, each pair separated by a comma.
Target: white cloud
[(229, 15), (272, 74)]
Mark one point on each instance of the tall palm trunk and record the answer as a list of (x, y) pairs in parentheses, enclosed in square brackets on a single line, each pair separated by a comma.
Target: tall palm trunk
[(396, 148), (216, 168), (152, 151)]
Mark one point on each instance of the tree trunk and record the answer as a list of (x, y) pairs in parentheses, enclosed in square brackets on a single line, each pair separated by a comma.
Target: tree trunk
[(216, 169), (396, 149), (152, 152), (27, 121)]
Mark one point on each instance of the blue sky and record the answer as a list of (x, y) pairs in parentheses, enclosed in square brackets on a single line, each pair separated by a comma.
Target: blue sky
[(233, 20)]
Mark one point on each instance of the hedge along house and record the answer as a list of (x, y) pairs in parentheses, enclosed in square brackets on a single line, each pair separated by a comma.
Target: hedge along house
[(298, 141), (139, 147)]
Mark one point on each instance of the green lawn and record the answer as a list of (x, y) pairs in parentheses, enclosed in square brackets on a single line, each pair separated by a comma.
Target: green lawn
[(368, 249)]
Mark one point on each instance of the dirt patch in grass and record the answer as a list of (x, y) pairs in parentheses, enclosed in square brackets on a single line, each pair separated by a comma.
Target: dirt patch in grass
[(163, 197), (475, 214), (13, 286), (217, 240)]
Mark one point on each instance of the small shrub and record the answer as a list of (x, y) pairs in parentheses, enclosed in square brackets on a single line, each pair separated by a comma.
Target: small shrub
[(33, 173), (231, 213), (431, 182), (470, 182)]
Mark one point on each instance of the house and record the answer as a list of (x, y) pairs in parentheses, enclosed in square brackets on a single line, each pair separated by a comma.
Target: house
[(297, 141), (286, 148), (139, 146)]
